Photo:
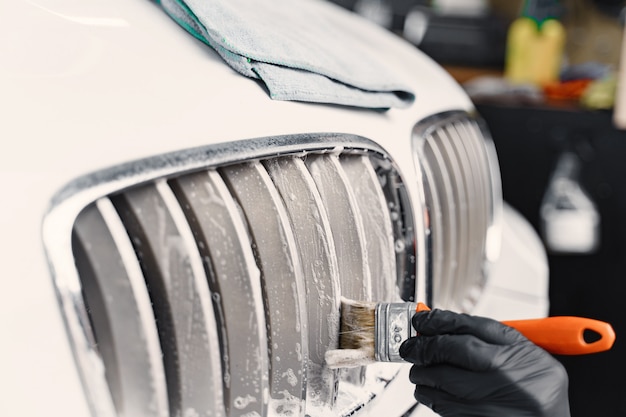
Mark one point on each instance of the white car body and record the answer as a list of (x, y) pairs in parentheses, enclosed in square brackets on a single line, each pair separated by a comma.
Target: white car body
[(92, 84)]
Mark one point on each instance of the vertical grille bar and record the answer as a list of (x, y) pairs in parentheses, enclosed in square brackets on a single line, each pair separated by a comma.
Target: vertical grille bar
[(283, 284), (180, 296), (477, 167), (377, 229), (345, 223), (462, 197), (445, 238), (491, 172), (317, 250), (118, 302), (235, 284), (443, 141)]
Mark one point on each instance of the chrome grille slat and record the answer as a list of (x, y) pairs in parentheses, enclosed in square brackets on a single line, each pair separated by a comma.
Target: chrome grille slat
[(283, 284), (478, 166), (225, 249), (443, 188), (480, 193), (472, 180), (181, 298), (490, 173), (319, 265), (376, 226), (346, 225), (475, 148), (463, 199), (135, 372), (459, 189)]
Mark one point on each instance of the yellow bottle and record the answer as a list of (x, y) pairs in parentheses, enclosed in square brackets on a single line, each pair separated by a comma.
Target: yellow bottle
[(534, 51)]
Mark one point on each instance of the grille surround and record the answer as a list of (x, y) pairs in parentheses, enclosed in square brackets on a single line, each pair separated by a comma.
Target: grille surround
[(457, 160), (70, 202)]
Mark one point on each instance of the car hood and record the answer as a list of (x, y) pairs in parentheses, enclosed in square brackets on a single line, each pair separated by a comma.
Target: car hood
[(102, 80)]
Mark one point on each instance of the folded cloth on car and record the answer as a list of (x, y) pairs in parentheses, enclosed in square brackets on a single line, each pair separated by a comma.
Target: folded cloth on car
[(303, 50)]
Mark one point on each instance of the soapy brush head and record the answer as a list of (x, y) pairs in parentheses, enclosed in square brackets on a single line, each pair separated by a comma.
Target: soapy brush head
[(358, 324), (356, 335), (372, 332)]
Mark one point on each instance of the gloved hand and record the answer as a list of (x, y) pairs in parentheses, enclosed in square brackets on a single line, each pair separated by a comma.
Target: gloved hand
[(474, 366)]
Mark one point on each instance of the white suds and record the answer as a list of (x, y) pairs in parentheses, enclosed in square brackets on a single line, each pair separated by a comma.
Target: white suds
[(348, 358)]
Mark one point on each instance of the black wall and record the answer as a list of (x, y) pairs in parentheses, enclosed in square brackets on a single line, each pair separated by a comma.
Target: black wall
[(529, 141)]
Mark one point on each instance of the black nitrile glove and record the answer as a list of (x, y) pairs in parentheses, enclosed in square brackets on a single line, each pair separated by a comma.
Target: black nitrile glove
[(474, 366)]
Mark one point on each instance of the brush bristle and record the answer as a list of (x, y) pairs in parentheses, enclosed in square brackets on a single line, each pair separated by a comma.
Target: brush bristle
[(356, 335), (357, 328)]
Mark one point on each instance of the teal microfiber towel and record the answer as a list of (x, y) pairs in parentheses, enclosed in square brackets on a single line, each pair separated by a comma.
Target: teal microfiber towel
[(302, 50)]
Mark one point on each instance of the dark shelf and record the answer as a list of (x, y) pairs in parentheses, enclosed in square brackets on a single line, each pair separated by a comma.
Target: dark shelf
[(529, 140)]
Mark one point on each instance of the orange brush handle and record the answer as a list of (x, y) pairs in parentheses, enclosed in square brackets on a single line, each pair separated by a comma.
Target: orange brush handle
[(564, 335), (561, 335)]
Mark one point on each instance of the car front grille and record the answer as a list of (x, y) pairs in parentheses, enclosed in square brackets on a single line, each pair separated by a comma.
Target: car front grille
[(209, 285), (463, 201)]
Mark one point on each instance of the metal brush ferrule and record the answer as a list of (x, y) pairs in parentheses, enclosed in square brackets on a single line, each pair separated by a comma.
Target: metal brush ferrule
[(393, 326)]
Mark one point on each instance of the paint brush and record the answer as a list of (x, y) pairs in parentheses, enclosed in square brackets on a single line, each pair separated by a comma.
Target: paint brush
[(373, 332)]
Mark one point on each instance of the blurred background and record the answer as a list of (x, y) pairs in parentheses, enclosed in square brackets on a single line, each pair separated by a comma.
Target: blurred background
[(545, 76)]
